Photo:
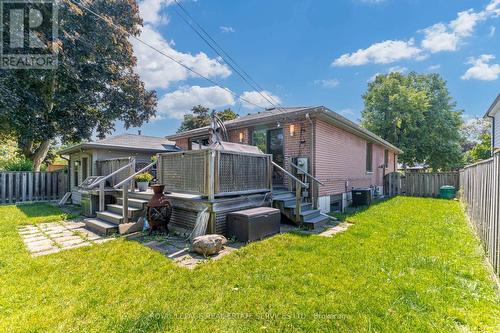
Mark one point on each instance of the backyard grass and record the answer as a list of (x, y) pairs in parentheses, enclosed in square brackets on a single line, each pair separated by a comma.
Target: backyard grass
[(406, 265)]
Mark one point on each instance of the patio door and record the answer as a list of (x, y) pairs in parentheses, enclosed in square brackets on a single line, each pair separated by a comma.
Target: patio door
[(275, 146)]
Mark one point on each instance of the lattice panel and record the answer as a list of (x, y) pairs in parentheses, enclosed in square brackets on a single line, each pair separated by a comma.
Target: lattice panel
[(183, 173), (242, 173)]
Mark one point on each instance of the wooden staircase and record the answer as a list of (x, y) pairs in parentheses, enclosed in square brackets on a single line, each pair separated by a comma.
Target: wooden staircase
[(285, 201), (107, 221)]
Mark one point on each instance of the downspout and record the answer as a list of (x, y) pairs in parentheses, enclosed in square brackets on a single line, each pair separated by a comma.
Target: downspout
[(314, 195)]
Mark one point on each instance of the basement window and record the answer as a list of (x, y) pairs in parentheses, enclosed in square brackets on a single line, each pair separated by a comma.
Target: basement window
[(369, 157)]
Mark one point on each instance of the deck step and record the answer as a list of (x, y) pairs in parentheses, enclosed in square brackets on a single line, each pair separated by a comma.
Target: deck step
[(118, 209), (110, 217), (309, 214), (140, 195), (283, 196), (132, 202), (100, 227), (304, 206), (315, 221)]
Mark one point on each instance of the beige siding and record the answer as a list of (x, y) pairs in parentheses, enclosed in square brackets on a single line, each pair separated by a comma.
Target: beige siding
[(341, 157)]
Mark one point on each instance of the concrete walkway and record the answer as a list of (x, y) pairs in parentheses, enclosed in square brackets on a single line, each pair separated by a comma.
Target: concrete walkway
[(46, 238)]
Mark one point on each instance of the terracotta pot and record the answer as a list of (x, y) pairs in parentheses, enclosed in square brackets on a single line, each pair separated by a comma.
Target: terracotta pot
[(159, 209)]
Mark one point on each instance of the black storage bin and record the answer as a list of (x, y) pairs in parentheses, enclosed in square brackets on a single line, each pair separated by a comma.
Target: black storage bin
[(361, 197), (253, 224)]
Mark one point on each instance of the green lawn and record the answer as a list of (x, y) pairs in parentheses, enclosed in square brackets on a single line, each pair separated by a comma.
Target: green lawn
[(407, 264)]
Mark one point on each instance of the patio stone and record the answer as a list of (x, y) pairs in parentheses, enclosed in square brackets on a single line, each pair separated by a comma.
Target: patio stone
[(50, 251), (70, 242), (34, 238), (76, 245)]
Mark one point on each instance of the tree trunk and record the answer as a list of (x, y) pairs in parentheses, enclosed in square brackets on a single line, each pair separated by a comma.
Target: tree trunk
[(40, 154)]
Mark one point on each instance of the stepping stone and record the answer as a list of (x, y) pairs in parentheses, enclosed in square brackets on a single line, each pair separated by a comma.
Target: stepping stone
[(77, 245), (42, 253), (34, 238)]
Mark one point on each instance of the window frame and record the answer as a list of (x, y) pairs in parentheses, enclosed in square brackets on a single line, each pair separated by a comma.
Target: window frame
[(369, 157)]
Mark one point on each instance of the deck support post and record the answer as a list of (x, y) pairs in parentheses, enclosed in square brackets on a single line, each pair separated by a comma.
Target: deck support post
[(101, 197), (125, 202), (211, 227), (298, 201)]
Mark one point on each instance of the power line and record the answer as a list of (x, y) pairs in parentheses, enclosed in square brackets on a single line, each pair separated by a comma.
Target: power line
[(223, 54), (111, 23)]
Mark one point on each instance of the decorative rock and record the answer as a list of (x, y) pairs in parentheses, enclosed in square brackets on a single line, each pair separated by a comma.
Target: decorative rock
[(208, 244)]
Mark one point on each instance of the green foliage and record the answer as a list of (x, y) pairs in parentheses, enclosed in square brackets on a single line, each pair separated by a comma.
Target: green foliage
[(93, 87), (17, 164), (406, 265), (200, 117), (144, 177), (416, 113), (481, 151)]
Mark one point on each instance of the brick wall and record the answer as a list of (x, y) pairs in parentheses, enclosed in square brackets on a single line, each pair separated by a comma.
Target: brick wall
[(341, 157), (234, 135), (183, 143)]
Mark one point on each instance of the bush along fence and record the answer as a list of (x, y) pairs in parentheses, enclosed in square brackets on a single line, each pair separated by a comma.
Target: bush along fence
[(20, 186), (422, 184), (480, 192)]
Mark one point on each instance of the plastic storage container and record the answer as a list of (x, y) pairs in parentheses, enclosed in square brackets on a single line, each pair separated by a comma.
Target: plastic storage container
[(447, 192), (253, 224)]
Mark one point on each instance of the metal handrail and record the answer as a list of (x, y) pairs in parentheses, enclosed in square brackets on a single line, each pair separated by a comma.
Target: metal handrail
[(112, 174), (149, 166), (307, 173), (290, 175)]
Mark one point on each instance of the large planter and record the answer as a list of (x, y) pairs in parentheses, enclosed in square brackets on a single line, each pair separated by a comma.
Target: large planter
[(142, 186), (159, 209)]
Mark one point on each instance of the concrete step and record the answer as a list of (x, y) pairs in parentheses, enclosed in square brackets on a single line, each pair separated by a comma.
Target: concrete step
[(315, 222), (118, 209), (110, 217), (100, 227), (132, 202)]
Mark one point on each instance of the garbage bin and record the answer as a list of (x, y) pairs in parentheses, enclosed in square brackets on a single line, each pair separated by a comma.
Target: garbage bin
[(447, 192)]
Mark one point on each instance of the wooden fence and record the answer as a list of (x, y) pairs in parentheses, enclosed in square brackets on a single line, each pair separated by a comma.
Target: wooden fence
[(480, 192), (20, 186), (425, 184)]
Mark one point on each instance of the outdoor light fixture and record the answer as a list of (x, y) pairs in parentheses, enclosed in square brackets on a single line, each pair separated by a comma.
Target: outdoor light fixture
[(278, 125), (241, 137), (292, 130)]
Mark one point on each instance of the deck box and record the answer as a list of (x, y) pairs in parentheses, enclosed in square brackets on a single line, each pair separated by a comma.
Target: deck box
[(253, 224)]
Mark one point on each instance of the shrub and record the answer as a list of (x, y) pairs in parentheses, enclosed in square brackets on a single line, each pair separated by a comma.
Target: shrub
[(144, 177), (17, 164)]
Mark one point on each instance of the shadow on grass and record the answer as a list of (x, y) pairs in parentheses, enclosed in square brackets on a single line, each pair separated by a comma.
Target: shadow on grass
[(351, 211)]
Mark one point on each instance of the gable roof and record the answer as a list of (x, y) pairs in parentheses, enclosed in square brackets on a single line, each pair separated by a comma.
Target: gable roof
[(131, 142), (494, 108), (291, 113)]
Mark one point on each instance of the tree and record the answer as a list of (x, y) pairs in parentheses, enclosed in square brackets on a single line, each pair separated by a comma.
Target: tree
[(200, 117), (416, 113), (476, 140), (93, 86)]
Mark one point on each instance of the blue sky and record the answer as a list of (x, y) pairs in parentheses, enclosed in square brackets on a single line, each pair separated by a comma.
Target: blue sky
[(316, 52)]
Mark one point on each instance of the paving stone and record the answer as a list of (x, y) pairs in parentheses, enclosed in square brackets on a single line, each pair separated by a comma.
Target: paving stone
[(34, 238), (29, 231), (66, 238), (40, 248), (74, 246), (43, 253), (70, 242), (73, 225), (87, 234)]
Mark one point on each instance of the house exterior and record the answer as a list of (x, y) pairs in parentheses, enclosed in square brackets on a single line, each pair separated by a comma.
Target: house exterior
[(494, 113), (338, 152), (84, 158)]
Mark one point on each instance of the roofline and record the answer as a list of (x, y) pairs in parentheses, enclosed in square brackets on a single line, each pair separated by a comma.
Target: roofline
[(327, 114), (93, 145), (493, 106)]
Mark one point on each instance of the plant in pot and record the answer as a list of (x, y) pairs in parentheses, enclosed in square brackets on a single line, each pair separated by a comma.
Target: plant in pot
[(143, 180)]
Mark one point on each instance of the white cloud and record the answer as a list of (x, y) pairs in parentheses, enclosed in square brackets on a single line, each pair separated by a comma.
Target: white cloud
[(433, 68), (226, 30), (482, 69), (157, 71), (177, 103), (329, 83), (348, 113), (398, 69), (450, 36), (381, 53), (256, 98), (438, 38), (151, 11)]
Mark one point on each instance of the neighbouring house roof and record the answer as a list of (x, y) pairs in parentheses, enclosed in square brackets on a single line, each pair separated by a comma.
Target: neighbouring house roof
[(130, 142), (292, 113), (494, 108)]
